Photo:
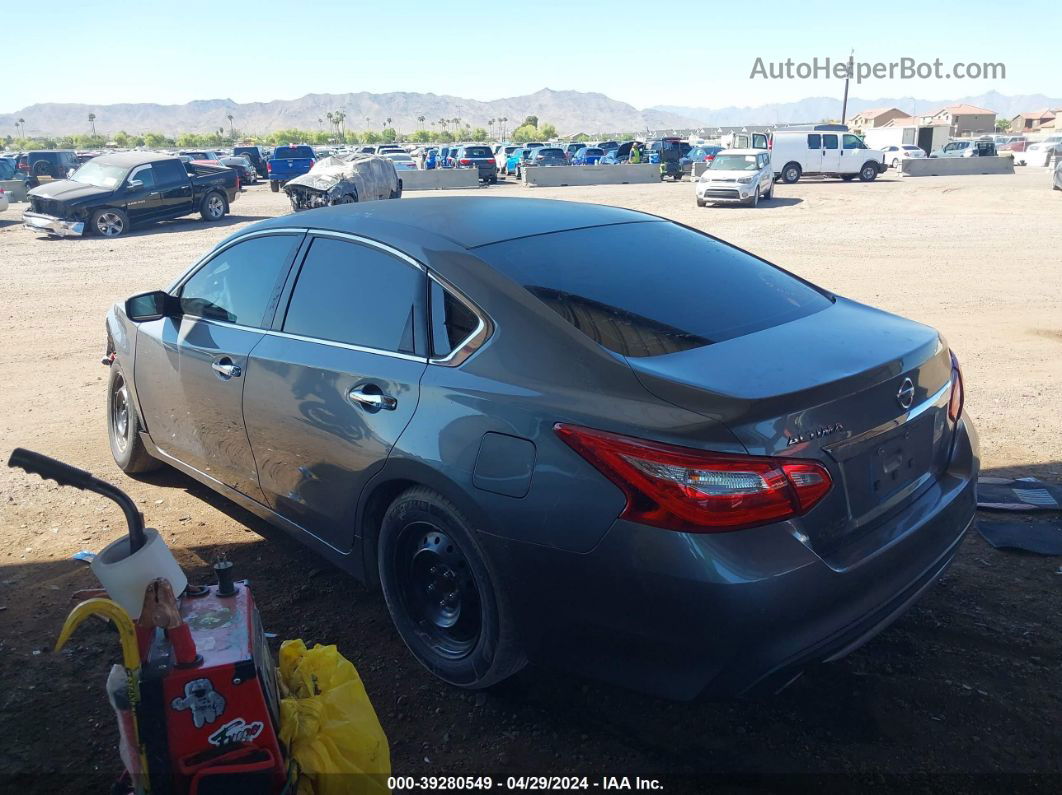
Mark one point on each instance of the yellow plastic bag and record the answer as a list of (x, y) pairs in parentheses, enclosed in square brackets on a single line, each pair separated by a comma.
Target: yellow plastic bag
[(329, 725)]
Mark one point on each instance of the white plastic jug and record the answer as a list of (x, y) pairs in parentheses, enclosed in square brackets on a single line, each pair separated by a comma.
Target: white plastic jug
[(126, 577)]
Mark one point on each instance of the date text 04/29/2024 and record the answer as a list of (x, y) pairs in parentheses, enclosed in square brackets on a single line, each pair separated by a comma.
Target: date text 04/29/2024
[(522, 783)]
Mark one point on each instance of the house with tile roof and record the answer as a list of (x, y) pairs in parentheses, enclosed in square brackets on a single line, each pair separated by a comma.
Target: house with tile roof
[(877, 117), (1034, 120), (964, 120)]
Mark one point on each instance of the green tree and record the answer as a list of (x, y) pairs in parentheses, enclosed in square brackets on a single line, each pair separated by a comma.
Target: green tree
[(547, 131), (123, 139), (371, 137), (530, 121), (479, 134), (389, 135), (1002, 125), (421, 136), (524, 133), (156, 140)]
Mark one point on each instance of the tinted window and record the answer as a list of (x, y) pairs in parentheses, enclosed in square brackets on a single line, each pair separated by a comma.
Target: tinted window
[(451, 321), (291, 152), (593, 152), (242, 283), (829, 142), (852, 142), (814, 141), (644, 289), (144, 174), (168, 172), (7, 169), (356, 294), (550, 152), (477, 151)]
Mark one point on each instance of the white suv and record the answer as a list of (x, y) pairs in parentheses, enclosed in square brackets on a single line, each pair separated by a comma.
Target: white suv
[(736, 176)]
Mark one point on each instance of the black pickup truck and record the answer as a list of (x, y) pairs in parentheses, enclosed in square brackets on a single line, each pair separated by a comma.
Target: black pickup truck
[(112, 193)]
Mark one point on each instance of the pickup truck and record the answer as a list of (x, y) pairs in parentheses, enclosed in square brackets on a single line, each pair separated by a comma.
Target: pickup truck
[(287, 163), (112, 193)]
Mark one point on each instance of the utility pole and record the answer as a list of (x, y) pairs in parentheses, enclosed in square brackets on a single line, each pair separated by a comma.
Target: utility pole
[(847, 77)]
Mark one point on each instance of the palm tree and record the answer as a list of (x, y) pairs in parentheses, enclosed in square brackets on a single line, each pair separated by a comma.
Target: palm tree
[(232, 133), (92, 121), (331, 121), (387, 123), (320, 122), (503, 119), (420, 121), (22, 123), (340, 116), (490, 126)]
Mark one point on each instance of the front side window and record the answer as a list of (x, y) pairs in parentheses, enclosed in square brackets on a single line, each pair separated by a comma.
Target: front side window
[(358, 295), (145, 175), (852, 142), (241, 284)]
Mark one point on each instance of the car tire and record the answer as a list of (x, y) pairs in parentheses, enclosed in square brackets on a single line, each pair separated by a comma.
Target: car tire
[(124, 427), (770, 192), (427, 548), (42, 168), (274, 186), (895, 162), (869, 172), (848, 177), (754, 199), (701, 203), (213, 207), (109, 222), (791, 173)]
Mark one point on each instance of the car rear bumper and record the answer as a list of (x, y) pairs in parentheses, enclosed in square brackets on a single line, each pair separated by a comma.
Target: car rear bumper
[(681, 615), (39, 222)]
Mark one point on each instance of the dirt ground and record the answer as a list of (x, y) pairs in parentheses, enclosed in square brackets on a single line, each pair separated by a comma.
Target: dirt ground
[(963, 693)]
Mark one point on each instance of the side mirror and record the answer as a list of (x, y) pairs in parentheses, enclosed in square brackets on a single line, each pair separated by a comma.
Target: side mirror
[(151, 306), (134, 183)]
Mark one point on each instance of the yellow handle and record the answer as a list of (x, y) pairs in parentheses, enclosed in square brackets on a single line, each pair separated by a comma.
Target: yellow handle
[(113, 611)]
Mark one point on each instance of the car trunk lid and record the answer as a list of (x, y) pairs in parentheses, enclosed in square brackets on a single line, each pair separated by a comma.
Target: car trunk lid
[(860, 390)]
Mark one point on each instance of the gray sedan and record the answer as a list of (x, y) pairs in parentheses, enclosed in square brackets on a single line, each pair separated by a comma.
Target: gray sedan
[(560, 432)]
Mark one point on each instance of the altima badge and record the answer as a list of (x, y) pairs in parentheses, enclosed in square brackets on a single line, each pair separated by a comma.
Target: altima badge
[(906, 395), (818, 433)]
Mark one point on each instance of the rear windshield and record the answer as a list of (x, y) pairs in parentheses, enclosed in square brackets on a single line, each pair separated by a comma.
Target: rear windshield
[(551, 152), (593, 151), (652, 288), (282, 152), (478, 151)]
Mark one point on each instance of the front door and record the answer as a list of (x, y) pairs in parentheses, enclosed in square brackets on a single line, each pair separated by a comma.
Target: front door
[(853, 154), (141, 196), (331, 389), (831, 154), (190, 370)]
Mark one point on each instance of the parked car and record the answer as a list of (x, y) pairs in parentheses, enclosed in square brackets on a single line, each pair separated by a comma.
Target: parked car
[(1016, 145), (517, 160), (571, 148), (547, 156), (113, 193), (966, 148), (606, 145), (9, 170), (479, 157), (4, 203), (201, 154), (243, 166), (736, 176), (287, 163), (1040, 153), (895, 154), (387, 149), (402, 161), (698, 154), (826, 150), (612, 158), (1056, 180), (54, 163), (587, 156), (501, 155), (347, 180), (724, 476), (258, 156)]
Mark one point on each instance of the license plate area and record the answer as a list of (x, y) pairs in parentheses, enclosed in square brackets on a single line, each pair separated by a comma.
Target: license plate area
[(884, 469)]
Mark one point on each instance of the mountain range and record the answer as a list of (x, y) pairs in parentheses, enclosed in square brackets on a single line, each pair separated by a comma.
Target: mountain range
[(569, 111)]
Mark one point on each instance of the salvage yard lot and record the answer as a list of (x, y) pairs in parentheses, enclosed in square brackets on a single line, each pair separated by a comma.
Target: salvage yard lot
[(968, 682)]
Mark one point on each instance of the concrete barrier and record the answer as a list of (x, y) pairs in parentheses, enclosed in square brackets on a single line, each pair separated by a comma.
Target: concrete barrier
[(699, 168), (15, 189), (621, 174), (439, 178), (947, 166)]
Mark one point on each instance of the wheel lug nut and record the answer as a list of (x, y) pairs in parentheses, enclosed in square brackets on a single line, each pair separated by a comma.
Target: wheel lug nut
[(431, 588)]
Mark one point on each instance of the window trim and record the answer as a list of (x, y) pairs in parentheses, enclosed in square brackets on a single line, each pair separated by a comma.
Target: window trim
[(474, 341)]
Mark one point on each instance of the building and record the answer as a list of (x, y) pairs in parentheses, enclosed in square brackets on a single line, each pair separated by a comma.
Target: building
[(964, 120), (877, 117), (1033, 121)]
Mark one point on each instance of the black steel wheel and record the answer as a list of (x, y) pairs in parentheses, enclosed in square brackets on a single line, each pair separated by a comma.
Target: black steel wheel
[(441, 592)]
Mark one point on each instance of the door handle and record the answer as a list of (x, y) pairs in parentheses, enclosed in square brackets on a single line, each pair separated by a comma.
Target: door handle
[(225, 368), (370, 396)]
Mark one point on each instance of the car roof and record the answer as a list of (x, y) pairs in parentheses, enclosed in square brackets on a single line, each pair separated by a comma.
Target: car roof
[(468, 221), (743, 152)]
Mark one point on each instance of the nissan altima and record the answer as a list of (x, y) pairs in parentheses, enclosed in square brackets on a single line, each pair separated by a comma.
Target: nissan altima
[(560, 432)]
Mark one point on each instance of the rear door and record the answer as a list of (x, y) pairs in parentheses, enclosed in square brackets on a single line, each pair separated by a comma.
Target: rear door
[(332, 386), (175, 188), (831, 153), (812, 154), (190, 370)]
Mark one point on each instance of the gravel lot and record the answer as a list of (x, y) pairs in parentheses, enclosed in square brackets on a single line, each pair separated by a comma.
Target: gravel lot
[(969, 682)]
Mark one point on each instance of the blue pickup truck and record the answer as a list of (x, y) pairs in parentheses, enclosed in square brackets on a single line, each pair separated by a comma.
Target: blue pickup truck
[(287, 163)]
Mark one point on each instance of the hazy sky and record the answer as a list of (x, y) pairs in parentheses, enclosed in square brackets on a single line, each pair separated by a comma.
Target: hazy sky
[(640, 52)]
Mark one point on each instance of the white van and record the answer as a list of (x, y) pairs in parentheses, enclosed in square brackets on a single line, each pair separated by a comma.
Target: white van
[(827, 150)]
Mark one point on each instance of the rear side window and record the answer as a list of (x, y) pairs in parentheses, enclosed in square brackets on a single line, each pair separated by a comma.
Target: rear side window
[(291, 152), (652, 288), (814, 141), (551, 152), (451, 321), (241, 284), (168, 172), (358, 295)]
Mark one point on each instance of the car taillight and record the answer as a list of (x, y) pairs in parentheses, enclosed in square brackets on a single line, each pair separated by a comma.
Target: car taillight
[(269, 165), (465, 161), (312, 162), (697, 491), (957, 396), (709, 158)]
